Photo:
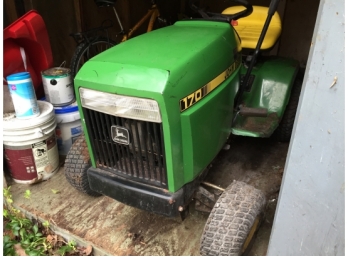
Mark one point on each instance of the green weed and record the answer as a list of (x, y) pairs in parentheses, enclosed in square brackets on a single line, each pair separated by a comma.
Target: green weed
[(21, 234)]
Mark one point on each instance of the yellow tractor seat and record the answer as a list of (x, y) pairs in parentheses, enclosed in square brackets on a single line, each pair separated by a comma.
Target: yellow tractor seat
[(249, 28)]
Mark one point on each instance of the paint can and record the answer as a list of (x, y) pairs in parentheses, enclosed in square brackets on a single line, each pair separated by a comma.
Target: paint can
[(30, 146), (68, 128), (23, 95), (58, 86)]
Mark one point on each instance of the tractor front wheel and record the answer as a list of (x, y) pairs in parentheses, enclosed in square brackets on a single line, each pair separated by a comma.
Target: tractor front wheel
[(77, 163), (233, 221)]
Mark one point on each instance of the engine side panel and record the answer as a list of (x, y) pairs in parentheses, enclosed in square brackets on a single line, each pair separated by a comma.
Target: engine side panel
[(206, 126)]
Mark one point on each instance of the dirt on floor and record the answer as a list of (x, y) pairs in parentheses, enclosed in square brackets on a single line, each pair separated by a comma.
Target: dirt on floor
[(256, 161), (117, 229)]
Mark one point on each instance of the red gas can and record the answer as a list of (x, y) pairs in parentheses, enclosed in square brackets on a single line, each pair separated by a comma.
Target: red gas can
[(27, 48)]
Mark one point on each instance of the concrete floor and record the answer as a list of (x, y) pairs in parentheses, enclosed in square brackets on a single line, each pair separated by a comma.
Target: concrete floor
[(113, 228)]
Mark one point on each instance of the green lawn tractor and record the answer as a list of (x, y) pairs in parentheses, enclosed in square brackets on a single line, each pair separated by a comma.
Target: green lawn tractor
[(157, 109)]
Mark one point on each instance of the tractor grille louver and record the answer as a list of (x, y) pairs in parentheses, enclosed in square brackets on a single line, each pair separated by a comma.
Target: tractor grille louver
[(142, 160)]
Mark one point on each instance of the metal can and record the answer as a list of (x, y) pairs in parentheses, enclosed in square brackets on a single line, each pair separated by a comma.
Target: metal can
[(58, 86), (23, 95)]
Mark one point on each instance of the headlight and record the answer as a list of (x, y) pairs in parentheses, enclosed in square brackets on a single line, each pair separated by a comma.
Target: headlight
[(121, 106)]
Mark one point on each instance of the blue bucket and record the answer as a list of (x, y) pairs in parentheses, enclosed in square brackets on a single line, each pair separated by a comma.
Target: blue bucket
[(69, 127)]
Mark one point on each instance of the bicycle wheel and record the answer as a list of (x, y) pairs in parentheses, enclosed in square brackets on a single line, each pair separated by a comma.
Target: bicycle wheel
[(86, 51)]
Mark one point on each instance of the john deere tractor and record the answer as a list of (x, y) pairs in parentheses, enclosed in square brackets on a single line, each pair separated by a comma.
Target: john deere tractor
[(158, 108)]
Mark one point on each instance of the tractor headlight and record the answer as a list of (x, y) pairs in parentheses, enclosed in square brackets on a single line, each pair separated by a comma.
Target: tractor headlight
[(121, 106)]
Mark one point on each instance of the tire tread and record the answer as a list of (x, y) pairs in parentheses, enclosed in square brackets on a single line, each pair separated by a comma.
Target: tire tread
[(77, 163), (230, 220), (284, 130)]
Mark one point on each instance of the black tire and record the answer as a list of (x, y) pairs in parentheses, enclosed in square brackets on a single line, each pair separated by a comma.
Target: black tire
[(77, 163), (86, 51), (284, 130), (233, 221)]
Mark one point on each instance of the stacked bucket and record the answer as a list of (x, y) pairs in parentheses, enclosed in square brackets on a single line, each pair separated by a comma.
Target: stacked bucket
[(31, 147), (59, 91)]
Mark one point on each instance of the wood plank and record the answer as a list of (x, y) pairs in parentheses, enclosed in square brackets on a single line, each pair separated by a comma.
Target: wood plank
[(60, 20), (78, 14), (10, 11), (28, 5)]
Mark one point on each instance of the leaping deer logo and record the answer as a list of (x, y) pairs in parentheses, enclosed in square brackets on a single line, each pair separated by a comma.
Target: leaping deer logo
[(120, 135)]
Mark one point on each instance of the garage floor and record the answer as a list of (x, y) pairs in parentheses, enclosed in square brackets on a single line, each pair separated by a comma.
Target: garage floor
[(116, 229)]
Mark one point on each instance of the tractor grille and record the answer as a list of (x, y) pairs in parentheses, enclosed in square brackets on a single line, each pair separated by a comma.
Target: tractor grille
[(142, 160)]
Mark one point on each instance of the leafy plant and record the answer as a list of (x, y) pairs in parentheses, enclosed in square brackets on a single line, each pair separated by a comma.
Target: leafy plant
[(8, 246), (7, 194), (70, 247), (21, 230), (27, 194), (46, 224), (21, 235)]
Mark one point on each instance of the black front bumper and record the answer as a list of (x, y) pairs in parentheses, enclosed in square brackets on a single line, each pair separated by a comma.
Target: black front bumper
[(142, 196)]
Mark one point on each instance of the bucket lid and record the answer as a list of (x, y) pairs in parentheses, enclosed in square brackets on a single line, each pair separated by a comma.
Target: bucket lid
[(66, 109), (56, 72), (19, 76), (10, 122)]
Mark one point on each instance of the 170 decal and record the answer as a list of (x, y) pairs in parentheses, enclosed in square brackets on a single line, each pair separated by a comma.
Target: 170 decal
[(193, 98), (196, 96)]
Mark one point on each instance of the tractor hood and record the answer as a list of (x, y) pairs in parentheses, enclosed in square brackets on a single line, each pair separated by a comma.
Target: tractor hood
[(191, 70), (175, 60)]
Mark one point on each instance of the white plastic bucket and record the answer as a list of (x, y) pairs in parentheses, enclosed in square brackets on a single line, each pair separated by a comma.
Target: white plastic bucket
[(58, 86), (68, 127), (23, 95), (30, 146)]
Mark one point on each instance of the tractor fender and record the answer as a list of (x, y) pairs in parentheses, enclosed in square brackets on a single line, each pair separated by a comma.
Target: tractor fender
[(270, 84)]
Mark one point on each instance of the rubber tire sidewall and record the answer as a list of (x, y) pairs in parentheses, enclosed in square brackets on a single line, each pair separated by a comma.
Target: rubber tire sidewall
[(77, 162), (81, 48), (231, 220), (284, 130)]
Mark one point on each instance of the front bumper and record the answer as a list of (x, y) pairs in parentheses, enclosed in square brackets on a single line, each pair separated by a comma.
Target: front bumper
[(145, 197)]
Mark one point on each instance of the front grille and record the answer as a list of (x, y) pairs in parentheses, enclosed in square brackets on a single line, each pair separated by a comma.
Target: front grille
[(142, 160)]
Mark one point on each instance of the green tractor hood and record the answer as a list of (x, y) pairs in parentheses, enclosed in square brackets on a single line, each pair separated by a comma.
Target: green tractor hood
[(188, 69), (173, 60)]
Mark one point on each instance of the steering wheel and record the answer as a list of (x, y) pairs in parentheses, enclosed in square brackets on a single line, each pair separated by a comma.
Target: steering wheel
[(103, 3), (224, 17)]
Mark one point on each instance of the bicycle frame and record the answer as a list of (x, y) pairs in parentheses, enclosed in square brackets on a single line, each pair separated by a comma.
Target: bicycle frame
[(153, 13)]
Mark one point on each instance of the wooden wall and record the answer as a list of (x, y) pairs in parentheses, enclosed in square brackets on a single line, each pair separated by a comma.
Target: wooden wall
[(66, 16)]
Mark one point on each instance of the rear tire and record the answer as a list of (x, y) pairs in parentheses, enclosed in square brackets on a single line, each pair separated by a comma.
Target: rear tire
[(77, 163), (284, 130), (86, 51), (233, 221)]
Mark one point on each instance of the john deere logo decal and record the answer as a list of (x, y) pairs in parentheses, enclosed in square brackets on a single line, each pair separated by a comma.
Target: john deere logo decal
[(120, 135)]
